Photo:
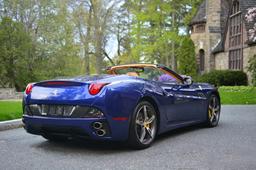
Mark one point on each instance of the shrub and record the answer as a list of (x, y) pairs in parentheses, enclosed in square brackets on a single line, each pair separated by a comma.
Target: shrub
[(252, 69), (186, 57), (224, 78)]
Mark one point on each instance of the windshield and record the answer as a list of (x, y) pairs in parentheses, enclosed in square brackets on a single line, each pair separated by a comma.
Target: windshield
[(149, 73)]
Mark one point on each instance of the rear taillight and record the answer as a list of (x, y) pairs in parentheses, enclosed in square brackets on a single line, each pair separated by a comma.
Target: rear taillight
[(95, 88), (29, 88)]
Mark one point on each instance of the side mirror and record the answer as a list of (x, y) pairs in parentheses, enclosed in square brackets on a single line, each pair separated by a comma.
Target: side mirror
[(188, 80)]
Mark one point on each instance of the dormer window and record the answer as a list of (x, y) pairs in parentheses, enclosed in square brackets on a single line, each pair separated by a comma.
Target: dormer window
[(199, 28)]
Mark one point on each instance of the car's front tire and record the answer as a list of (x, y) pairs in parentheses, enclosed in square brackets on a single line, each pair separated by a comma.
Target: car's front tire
[(213, 111), (143, 126)]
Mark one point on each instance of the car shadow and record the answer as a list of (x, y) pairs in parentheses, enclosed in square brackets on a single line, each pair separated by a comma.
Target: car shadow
[(178, 132), (85, 146), (184, 130), (80, 146)]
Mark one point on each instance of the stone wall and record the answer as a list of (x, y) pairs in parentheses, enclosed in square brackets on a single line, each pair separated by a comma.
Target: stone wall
[(221, 61), (10, 93), (211, 37), (200, 43)]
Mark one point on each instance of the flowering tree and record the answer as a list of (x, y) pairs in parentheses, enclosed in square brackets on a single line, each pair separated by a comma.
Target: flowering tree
[(251, 17)]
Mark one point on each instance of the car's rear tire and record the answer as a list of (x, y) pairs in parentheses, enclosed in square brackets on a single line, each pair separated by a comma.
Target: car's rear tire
[(213, 111), (143, 126), (54, 138)]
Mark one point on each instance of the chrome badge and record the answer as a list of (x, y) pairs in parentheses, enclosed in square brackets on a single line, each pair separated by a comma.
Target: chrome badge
[(55, 93)]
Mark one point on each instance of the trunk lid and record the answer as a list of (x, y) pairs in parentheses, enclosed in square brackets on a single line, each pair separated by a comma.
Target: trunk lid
[(65, 90), (59, 90)]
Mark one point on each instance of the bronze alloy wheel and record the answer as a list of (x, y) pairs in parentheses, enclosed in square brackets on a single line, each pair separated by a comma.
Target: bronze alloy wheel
[(213, 111)]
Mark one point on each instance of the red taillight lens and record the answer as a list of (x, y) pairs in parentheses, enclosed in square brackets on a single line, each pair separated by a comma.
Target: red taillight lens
[(29, 89), (95, 88)]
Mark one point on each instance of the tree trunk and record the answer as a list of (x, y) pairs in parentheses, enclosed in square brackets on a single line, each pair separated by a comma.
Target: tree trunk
[(98, 47), (173, 57), (98, 55), (86, 43)]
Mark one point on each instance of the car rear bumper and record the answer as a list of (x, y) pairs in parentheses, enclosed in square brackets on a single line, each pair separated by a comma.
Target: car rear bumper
[(77, 127)]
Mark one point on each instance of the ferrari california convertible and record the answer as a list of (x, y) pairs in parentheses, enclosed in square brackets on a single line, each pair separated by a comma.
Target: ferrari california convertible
[(132, 103)]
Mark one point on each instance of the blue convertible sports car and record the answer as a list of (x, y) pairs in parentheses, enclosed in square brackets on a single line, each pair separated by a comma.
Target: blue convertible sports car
[(131, 103)]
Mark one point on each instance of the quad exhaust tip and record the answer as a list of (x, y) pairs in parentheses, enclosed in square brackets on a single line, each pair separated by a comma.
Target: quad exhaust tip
[(99, 129), (97, 125), (101, 132)]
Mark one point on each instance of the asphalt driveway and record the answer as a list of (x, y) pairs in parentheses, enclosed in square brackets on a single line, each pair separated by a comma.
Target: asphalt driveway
[(231, 145)]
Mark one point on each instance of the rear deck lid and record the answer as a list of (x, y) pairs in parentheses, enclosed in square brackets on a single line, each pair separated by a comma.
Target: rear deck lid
[(60, 90)]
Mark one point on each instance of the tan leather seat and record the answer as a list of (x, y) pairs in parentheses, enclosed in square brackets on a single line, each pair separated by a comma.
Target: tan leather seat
[(132, 74)]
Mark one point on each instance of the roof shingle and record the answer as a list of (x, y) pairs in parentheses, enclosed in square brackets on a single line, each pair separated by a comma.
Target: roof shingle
[(200, 16)]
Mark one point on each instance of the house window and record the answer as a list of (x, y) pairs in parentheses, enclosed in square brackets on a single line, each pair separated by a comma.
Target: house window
[(201, 60), (235, 37), (235, 59), (200, 28)]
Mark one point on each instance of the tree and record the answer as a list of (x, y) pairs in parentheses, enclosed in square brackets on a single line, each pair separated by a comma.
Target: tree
[(156, 27), (252, 69), (93, 20), (15, 46), (102, 17), (152, 34), (54, 51), (186, 57), (82, 17), (55, 45), (251, 17), (71, 37), (122, 31)]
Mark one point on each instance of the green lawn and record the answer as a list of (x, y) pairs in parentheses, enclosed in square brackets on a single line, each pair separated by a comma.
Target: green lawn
[(238, 95), (10, 110)]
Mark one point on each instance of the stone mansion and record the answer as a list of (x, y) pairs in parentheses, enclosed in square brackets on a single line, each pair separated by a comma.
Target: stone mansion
[(224, 36)]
